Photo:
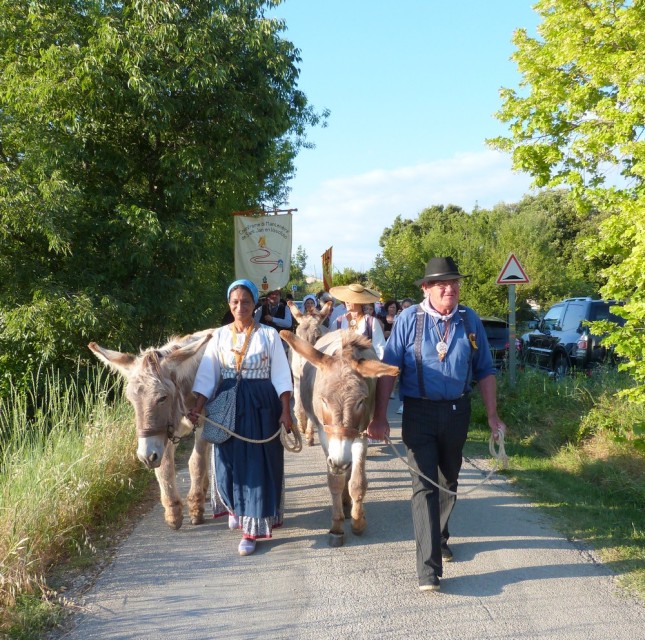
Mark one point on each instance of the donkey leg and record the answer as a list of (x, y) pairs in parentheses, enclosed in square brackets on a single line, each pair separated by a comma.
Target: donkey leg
[(336, 484), (347, 499), (198, 467), (358, 487), (301, 417), (310, 433), (170, 499)]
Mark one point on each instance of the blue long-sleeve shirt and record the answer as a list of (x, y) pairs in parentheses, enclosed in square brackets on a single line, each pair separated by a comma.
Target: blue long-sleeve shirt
[(445, 380)]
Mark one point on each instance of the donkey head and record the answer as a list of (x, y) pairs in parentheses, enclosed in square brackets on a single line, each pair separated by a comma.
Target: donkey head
[(341, 382), (159, 383)]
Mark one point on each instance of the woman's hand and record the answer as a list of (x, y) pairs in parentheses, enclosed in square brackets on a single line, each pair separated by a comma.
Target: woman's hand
[(286, 420), (196, 411)]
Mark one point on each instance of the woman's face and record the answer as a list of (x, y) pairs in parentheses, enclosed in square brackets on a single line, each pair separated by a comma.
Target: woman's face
[(309, 305), (241, 304), (391, 310)]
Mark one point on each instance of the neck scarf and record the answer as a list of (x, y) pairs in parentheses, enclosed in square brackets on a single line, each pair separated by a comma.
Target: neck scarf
[(430, 310)]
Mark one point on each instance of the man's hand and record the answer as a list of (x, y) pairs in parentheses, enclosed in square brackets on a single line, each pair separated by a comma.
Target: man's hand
[(378, 429), (496, 426)]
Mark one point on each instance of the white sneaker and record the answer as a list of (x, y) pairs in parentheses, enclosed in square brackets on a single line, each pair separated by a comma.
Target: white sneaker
[(247, 547), (400, 409), (233, 522)]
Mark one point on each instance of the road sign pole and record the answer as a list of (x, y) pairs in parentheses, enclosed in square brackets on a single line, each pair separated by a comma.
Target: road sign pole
[(511, 274), (512, 353)]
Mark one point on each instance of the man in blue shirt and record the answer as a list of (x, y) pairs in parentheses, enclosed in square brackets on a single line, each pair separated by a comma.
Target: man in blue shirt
[(440, 348)]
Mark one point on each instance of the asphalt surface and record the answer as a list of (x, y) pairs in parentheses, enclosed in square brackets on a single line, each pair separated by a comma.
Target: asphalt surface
[(512, 577)]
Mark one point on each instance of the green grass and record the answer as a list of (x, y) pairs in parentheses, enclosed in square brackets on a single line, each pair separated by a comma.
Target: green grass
[(67, 467), (573, 451)]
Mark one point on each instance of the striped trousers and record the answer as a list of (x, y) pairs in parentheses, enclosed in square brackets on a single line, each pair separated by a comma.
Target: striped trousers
[(434, 433)]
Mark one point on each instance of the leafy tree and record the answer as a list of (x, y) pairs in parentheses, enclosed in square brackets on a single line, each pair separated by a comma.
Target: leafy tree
[(298, 265), (348, 276), (400, 264), (578, 120), (129, 132), (542, 230), (297, 273)]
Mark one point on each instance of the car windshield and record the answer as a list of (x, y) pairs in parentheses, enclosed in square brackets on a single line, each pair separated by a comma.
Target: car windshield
[(552, 318)]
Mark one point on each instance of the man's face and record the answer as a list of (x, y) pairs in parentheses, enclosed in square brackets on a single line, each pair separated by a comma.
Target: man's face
[(274, 297), (443, 295)]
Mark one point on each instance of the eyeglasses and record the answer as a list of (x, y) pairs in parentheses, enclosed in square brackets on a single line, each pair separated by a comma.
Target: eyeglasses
[(444, 284)]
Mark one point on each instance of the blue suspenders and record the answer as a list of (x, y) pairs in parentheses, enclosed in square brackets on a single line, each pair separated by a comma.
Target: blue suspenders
[(418, 340)]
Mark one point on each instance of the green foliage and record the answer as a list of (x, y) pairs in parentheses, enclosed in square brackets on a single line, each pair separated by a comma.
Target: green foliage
[(65, 470), (543, 231), (400, 264), (129, 132), (578, 121), (573, 448), (297, 273), (347, 276)]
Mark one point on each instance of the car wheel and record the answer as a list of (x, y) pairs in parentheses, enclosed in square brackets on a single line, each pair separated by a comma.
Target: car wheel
[(560, 367)]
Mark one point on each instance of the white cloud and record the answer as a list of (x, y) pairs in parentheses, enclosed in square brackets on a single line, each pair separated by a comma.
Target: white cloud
[(351, 213)]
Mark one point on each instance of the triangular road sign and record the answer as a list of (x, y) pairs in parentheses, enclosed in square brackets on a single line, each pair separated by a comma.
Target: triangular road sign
[(512, 273)]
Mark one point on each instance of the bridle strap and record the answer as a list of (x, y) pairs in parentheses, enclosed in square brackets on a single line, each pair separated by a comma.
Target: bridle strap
[(342, 432)]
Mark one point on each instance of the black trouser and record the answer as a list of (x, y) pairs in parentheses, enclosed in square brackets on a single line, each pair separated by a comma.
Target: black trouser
[(435, 434)]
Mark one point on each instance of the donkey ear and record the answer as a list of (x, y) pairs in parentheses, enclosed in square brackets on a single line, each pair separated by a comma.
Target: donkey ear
[(374, 368), (306, 350), (122, 363), (295, 312), (183, 361), (326, 309)]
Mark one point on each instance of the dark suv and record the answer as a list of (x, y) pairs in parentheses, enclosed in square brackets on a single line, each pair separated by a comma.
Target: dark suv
[(562, 340)]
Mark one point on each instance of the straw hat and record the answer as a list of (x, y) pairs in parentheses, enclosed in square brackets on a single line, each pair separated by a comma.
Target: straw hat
[(355, 293)]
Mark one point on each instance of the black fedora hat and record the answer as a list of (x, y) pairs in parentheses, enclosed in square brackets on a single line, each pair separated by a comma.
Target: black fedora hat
[(441, 269)]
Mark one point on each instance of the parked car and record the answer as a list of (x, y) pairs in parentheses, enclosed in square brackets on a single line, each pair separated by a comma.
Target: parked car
[(562, 340), (498, 337)]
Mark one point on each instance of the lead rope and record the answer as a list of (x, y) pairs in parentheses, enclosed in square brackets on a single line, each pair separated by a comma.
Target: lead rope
[(499, 455), (293, 446)]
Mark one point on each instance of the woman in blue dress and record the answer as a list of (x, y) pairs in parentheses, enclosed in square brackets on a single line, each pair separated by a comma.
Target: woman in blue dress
[(248, 477)]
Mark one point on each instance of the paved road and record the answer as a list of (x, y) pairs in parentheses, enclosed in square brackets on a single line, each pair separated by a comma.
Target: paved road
[(513, 575)]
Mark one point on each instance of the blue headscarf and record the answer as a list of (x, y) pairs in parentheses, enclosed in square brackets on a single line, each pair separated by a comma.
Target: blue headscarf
[(244, 283)]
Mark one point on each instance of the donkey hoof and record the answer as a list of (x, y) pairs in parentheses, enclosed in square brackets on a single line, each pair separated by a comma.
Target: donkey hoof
[(198, 519), (359, 526), (336, 539)]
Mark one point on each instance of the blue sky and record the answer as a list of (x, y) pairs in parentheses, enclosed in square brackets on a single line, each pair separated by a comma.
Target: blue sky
[(412, 87)]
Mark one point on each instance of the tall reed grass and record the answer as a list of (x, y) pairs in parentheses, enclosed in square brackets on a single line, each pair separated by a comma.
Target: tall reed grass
[(65, 457)]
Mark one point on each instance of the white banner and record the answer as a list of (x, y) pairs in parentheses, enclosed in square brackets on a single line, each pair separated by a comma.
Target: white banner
[(263, 250)]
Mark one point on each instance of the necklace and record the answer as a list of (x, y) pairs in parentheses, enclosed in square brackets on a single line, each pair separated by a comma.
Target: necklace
[(353, 321), (442, 345), (240, 353)]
